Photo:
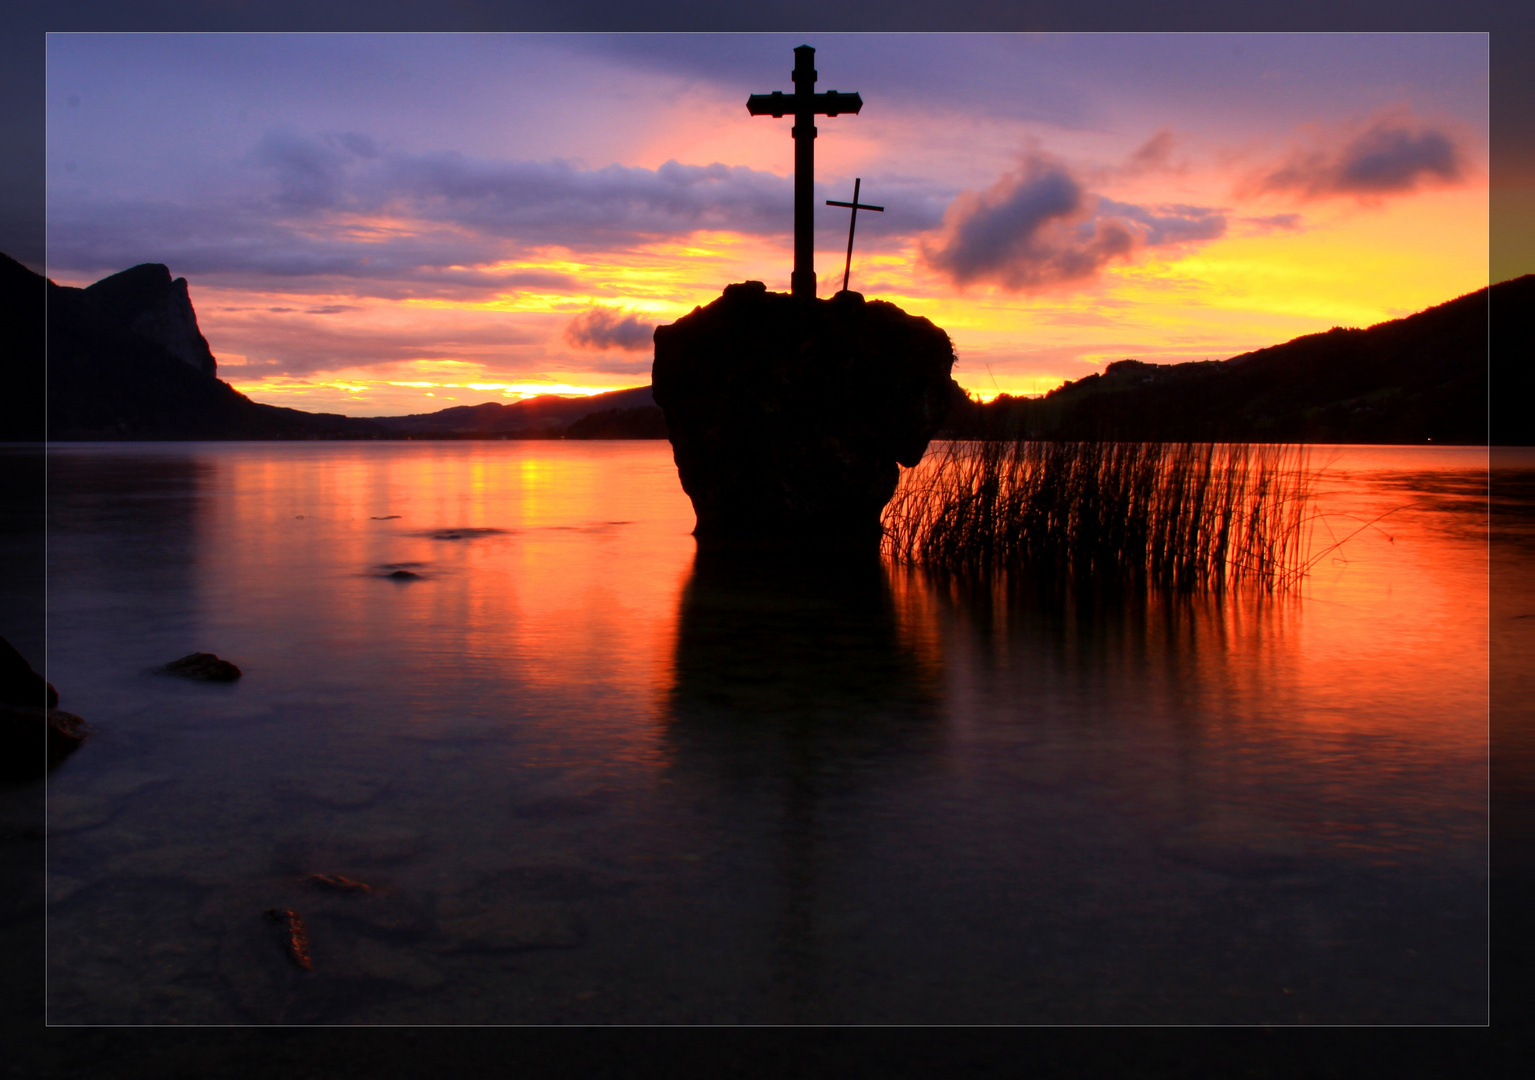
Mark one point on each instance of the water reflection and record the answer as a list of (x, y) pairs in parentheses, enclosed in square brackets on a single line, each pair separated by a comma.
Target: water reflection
[(772, 640), (798, 687), (830, 791)]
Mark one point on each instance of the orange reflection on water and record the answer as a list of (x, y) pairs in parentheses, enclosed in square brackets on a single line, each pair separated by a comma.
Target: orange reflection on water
[(540, 569), (855, 782), (554, 575)]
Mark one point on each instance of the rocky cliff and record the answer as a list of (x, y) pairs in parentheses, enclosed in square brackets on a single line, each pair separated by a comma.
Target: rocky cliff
[(147, 301)]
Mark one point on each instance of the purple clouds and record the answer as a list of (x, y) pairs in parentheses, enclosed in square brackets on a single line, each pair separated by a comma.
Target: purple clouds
[(1039, 227), (339, 206), (1394, 155)]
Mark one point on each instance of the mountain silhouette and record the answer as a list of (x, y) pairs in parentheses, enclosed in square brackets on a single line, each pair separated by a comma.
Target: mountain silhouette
[(144, 299), (546, 416), (126, 360), (1422, 378)]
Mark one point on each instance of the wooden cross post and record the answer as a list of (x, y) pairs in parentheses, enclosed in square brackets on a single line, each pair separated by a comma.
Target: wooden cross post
[(851, 225), (804, 104)]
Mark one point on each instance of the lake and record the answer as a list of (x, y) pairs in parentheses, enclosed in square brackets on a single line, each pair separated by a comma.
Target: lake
[(592, 776)]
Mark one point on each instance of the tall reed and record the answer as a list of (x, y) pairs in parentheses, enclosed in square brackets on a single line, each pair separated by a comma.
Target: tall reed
[(1179, 515)]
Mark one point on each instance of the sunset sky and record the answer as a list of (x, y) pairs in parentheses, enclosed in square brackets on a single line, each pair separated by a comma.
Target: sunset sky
[(382, 224)]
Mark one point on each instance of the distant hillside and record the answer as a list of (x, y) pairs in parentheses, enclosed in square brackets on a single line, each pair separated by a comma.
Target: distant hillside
[(640, 422), (1412, 380), (540, 417)]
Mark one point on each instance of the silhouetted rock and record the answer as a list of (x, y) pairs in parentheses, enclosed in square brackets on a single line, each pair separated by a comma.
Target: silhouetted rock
[(35, 735), (23, 303), (19, 684), (34, 740), (788, 418), (204, 667), (145, 300), (66, 732)]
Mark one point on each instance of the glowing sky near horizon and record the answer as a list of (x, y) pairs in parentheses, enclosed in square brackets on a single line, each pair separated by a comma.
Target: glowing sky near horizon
[(381, 224)]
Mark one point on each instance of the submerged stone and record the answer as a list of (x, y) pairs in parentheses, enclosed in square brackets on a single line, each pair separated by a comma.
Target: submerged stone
[(337, 883), (788, 419), (203, 667), (295, 936)]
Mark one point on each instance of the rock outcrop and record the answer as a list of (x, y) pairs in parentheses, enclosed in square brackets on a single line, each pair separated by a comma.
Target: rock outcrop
[(788, 419), (147, 301), (35, 735), (202, 667)]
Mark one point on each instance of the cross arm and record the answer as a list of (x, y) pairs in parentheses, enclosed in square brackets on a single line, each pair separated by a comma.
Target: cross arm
[(775, 104), (780, 104)]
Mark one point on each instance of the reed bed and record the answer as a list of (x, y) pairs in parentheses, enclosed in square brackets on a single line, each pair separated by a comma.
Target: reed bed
[(1183, 516)]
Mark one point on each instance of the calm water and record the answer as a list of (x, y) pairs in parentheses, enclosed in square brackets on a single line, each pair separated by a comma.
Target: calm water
[(595, 777)]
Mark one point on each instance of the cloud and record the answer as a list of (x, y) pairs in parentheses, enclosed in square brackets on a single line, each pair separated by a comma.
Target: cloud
[(543, 202), (245, 243), (604, 328), (1038, 227), (309, 172), (1152, 155), (1394, 155), (556, 202), (295, 344), (344, 207), (1172, 223), (617, 365), (1273, 222)]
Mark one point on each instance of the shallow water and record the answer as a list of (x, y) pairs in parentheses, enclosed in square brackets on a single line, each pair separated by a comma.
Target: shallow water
[(595, 777)]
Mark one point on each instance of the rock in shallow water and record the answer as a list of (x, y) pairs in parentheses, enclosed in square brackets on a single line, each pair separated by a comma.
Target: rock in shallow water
[(203, 667), (295, 937), (35, 735), (337, 883), (788, 418), (19, 684)]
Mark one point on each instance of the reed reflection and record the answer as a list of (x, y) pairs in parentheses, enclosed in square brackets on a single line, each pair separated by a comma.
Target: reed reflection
[(1104, 630)]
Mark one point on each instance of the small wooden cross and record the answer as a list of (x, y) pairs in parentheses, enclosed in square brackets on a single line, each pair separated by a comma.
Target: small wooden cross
[(851, 225), (804, 104)]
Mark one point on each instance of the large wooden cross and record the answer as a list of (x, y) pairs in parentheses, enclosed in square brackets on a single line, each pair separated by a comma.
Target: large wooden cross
[(803, 104)]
